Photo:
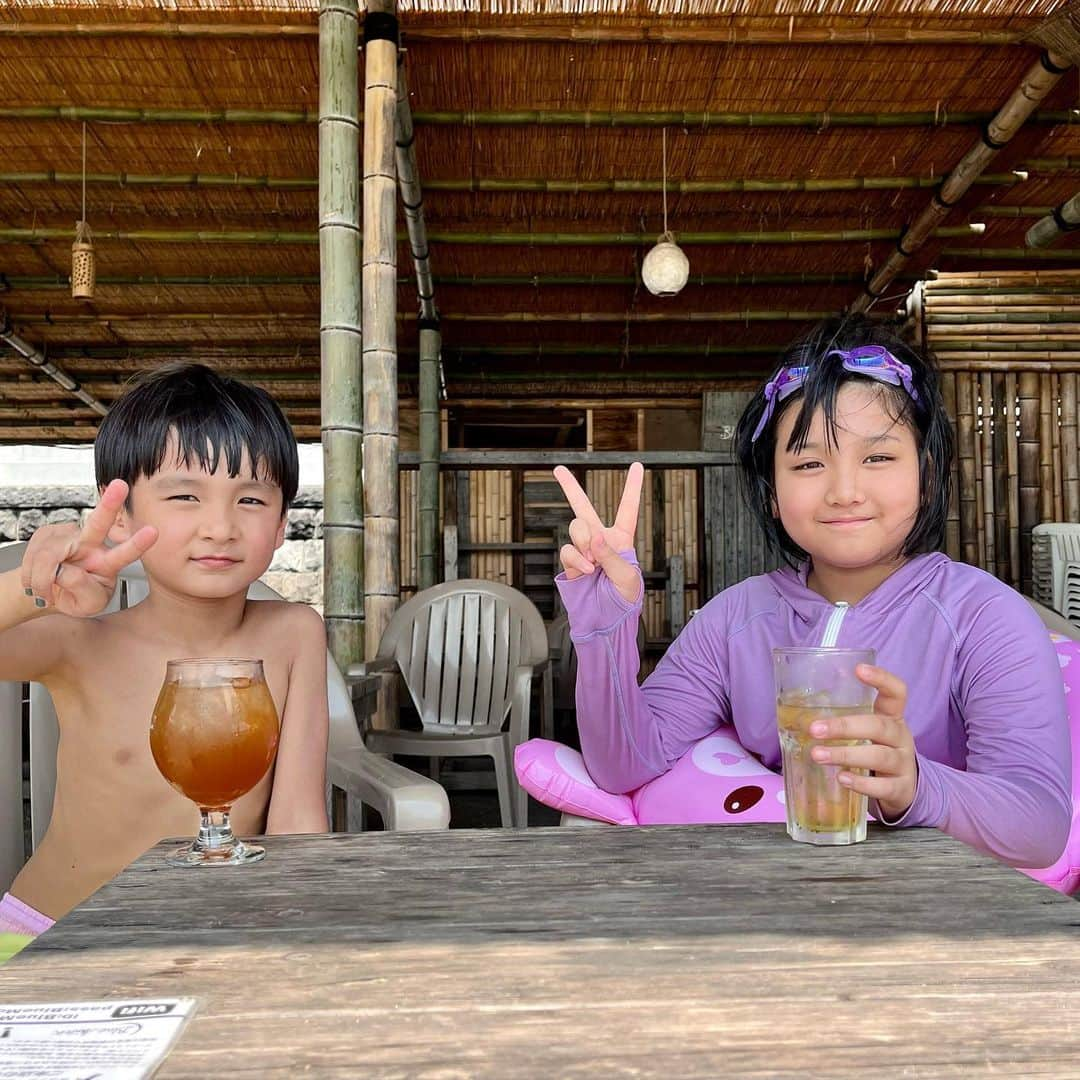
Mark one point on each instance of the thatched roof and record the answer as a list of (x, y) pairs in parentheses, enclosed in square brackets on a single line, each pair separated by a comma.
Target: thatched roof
[(722, 66)]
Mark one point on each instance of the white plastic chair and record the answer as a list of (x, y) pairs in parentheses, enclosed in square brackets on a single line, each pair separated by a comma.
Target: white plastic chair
[(405, 800), (467, 651)]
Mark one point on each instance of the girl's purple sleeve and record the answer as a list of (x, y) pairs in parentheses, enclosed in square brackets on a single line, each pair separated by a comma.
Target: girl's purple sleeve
[(629, 733), (1014, 800)]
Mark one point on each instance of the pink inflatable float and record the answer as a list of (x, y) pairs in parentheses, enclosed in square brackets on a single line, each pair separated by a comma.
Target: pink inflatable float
[(719, 782)]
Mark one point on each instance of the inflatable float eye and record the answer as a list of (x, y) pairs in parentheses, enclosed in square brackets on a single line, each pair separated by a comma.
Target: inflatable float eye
[(741, 799)]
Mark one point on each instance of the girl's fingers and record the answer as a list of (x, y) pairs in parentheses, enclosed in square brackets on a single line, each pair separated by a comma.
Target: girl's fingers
[(875, 727), (581, 537), (576, 497), (622, 574), (884, 760), (882, 788), (574, 563), (892, 690), (626, 518)]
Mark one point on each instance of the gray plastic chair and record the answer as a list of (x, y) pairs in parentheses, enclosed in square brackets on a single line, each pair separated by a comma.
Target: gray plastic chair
[(405, 800), (467, 651)]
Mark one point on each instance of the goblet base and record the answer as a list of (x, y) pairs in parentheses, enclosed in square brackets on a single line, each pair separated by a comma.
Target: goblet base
[(216, 844), (192, 855)]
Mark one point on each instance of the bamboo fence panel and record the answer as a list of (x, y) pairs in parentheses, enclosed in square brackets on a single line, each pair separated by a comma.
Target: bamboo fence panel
[(1009, 344)]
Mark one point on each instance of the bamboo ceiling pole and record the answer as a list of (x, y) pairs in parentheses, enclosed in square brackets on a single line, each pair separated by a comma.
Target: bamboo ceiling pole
[(575, 34), (1062, 219), (340, 330), (429, 454), (1039, 80), (274, 238), (412, 196), (999, 254), (382, 524), (816, 121), (37, 359), (543, 186)]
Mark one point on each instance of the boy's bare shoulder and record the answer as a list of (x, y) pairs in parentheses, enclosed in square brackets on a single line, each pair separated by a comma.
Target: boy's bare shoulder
[(286, 615)]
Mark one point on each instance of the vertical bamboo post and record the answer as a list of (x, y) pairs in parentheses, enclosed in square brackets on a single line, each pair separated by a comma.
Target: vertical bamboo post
[(339, 329), (1012, 457), (965, 435), (1001, 481), (1070, 463), (430, 340), (1055, 430), (379, 276), (976, 406), (952, 521), (1029, 471), (1046, 451), (986, 392)]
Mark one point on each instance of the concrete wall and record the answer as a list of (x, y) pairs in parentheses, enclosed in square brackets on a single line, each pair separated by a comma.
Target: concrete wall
[(296, 571)]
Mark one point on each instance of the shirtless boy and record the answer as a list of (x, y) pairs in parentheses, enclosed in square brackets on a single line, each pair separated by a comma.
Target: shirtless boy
[(195, 473)]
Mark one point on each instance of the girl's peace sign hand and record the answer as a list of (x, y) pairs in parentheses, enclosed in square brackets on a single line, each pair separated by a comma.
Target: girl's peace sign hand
[(592, 543), (70, 569)]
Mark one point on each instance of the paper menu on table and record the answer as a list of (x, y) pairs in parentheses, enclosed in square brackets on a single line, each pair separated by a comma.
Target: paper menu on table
[(89, 1040)]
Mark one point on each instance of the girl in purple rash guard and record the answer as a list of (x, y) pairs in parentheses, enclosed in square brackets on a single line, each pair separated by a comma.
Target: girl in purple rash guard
[(845, 457)]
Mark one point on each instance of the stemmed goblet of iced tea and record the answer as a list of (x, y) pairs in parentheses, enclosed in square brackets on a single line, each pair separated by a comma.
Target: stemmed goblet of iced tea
[(213, 736)]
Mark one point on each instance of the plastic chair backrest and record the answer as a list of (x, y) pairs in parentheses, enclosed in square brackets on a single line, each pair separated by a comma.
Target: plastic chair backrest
[(458, 646)]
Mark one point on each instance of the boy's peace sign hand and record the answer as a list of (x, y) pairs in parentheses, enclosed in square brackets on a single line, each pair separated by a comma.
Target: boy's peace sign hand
[(70, 569), (592, 543)]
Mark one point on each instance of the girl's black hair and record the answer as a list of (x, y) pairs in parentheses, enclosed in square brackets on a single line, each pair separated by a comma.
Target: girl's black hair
[(926, 417), (212, 416)]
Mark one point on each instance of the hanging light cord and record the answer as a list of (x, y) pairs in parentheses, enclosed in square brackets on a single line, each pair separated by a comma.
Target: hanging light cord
[(84, 171), (663, 178)]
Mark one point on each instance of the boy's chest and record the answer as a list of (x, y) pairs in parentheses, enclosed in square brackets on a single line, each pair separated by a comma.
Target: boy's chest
[(119, 685)]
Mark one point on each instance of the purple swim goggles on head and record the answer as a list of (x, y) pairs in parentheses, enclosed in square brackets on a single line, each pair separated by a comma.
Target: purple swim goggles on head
[(874, 361)]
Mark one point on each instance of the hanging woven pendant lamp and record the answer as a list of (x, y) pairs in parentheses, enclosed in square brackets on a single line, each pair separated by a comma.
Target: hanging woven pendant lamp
[(83, 270), (666, 268)]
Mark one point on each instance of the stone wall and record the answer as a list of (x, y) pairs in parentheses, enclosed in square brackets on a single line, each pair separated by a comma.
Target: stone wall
[(296, 571)]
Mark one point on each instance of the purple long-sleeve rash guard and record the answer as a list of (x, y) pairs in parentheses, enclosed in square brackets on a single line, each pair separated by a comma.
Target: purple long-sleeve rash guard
[(986, 704)]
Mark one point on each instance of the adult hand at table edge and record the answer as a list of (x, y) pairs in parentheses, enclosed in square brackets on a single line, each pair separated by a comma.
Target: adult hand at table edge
[(594, 544)]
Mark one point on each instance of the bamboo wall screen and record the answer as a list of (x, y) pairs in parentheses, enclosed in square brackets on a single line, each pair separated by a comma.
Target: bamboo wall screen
[(672, 494), (1009, 344)]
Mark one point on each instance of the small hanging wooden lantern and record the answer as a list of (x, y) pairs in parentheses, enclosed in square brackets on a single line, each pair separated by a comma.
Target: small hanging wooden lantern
[(83, 272)]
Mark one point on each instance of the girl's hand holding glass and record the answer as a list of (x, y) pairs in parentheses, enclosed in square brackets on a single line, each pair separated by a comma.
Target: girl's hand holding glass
[(889, 753)]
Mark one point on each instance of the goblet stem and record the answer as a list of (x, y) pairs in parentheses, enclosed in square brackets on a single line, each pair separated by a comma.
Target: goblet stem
[(215, 833), (216, 845)]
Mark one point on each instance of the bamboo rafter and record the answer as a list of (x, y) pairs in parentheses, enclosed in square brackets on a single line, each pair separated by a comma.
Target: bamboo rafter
[(496, 184), (816, 121), (577, 34), (547, 239), (1037, 82)]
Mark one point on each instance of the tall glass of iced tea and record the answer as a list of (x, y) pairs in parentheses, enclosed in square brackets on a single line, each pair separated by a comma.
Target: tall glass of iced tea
[(814, 684), (213, 736)]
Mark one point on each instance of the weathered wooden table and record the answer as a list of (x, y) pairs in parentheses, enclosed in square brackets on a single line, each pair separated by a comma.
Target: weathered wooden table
[(675, 952)]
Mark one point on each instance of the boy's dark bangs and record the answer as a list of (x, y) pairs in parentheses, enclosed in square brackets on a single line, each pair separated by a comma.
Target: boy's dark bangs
[(205, 440), (211, 420)]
